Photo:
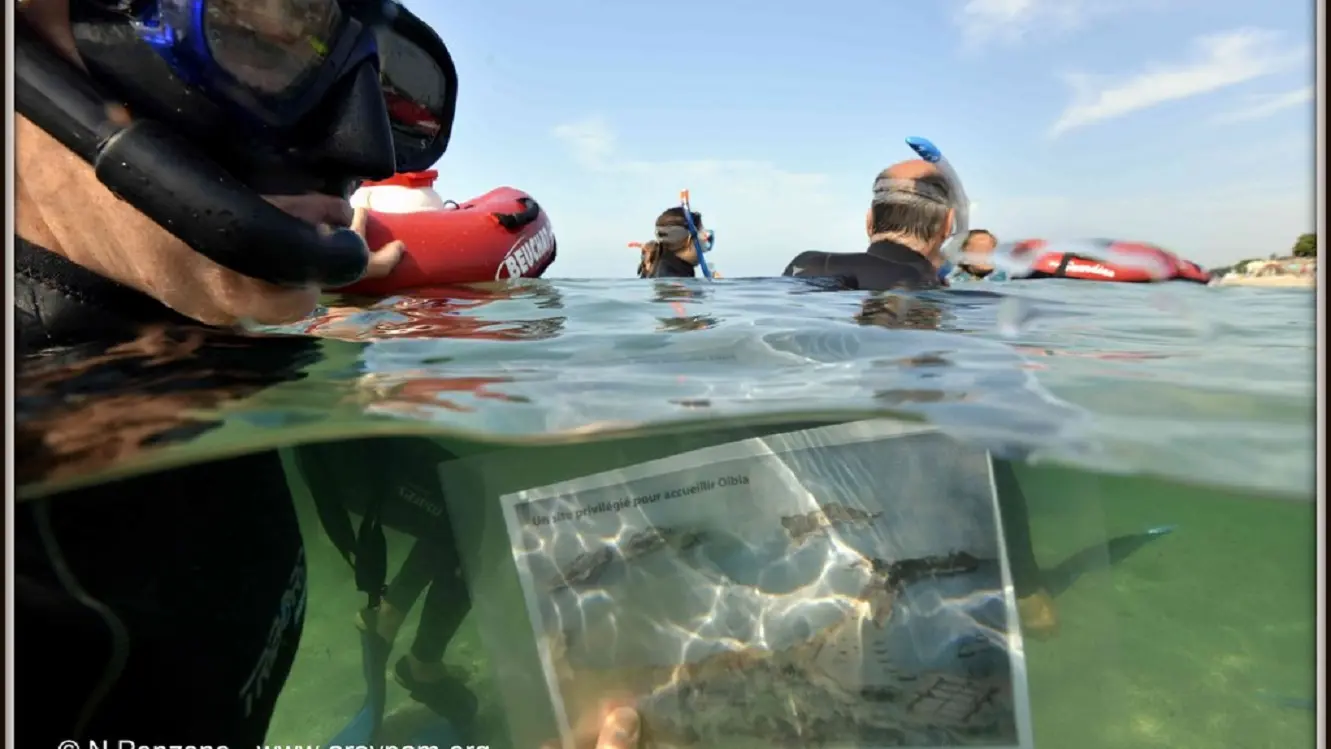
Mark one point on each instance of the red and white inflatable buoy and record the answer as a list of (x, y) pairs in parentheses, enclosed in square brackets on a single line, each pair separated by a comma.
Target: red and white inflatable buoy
[(501, 234), (1105, 260)]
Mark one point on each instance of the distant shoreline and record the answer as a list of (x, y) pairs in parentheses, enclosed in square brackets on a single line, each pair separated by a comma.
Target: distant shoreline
[(1269, 282), (1288, 272)]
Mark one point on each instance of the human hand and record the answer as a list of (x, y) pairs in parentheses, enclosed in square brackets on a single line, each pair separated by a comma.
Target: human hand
[(326, 210), (62, 206), (620, 728), (201, 289)]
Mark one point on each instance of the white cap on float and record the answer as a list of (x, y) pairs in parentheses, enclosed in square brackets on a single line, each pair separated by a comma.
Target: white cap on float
[(408, 192)]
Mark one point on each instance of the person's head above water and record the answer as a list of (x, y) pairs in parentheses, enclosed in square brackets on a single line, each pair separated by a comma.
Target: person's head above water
[(980, 241), (672, 234), (912, 206), (978, 249), (212, 174), (673, 253), (977, 252)]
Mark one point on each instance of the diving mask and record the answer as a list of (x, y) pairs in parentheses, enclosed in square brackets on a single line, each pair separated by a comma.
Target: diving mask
[(278, 69), (290, 95), (677, 236), (707, 238)]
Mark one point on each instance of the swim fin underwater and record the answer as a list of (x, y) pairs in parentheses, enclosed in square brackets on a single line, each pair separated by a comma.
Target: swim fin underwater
[(366, 550), (366, 728), (1100, 556)]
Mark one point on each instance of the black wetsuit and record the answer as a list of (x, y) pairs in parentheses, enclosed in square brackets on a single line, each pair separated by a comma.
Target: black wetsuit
[(669, 265), (885, 265), (397, 479), (163, 609)]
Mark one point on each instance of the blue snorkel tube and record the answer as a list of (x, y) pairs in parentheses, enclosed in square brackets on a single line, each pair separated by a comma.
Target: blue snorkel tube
[(961, 204), (945, 269), (698, 245)]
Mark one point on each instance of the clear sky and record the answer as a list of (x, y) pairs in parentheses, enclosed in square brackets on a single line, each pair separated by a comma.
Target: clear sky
[(1188, 123)]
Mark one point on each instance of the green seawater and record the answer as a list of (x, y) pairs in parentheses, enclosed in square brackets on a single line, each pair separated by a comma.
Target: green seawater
[(1125, 407)]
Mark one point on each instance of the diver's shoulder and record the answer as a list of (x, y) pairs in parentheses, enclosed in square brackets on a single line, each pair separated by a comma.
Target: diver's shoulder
[(814, 262), (60, 303), (808, 255), (824, 255)]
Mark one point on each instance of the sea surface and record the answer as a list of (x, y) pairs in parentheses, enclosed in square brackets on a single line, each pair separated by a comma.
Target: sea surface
[(1123, 407)]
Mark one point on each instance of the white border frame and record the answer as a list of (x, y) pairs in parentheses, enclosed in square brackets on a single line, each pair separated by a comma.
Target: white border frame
[(1319, 190), (759, 448), (9, 374)]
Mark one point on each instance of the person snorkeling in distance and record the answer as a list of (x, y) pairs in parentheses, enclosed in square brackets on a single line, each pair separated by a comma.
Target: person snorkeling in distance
[(396, 479), (673, 253), (976, 263), (909, 219)]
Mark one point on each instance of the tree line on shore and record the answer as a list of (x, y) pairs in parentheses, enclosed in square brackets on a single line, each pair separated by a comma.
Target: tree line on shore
[(1304, 247)]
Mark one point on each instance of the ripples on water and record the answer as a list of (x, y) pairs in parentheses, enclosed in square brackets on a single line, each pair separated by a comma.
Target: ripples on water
[(1147, 406), (1200, 384)]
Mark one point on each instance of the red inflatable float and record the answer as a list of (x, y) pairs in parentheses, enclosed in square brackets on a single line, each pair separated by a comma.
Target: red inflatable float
[(1105, 260), (501, 234)]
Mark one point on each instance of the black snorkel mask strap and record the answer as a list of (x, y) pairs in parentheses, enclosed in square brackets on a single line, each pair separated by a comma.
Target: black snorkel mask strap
[(174, 183)]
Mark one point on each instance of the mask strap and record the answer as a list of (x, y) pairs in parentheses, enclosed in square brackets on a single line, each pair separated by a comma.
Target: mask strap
[(926, 150)]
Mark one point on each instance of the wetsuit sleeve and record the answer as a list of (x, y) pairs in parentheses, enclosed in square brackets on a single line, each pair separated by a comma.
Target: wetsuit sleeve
[(166, 607), (818, 267)]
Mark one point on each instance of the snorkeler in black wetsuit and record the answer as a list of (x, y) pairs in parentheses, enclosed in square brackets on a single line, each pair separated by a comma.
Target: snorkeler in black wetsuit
[(166, 609), (672, 254), (908, 222), (397, 479)]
